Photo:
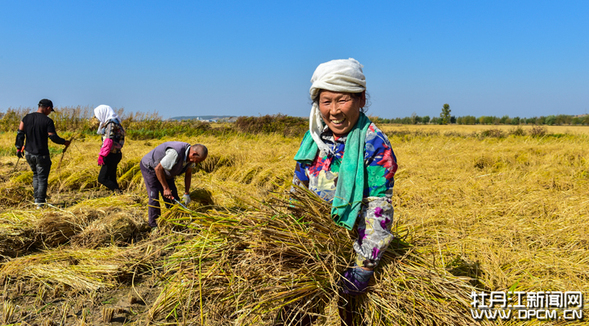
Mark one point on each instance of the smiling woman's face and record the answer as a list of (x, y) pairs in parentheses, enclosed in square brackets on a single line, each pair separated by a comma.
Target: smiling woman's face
[(340, 111)]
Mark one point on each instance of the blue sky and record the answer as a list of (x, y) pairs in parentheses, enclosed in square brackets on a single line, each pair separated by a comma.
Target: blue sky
[(516, 58)]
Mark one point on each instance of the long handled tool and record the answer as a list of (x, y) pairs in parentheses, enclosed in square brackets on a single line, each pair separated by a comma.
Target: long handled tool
[(22, 150), (63, 153), (16, 165), (179, 203)]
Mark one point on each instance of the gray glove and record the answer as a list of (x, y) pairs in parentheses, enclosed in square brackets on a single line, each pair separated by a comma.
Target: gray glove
[(186, 199)]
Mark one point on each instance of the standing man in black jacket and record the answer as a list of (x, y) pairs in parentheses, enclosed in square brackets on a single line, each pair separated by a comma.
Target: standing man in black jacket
[(36, 128)]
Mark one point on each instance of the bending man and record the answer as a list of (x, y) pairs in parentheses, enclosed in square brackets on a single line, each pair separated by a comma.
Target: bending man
[(159, 168)]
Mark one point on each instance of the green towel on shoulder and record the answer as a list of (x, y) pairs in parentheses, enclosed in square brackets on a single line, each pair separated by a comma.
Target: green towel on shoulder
[(308, 149), (349, 190)]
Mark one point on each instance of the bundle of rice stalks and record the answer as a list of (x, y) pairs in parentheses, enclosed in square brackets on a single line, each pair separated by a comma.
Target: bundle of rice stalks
[(119, 228), (88, 224), (57, 228), (216, 161), (80, 270), (110, 203), (409, 291), (76, 174), (24, 177), (15, 193), (251, 266), (17, 235), (15, 242), (130, 174)]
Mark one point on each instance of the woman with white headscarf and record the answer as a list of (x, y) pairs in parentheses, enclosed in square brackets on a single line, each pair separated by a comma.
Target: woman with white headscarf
[(346, 160), (113, 139)]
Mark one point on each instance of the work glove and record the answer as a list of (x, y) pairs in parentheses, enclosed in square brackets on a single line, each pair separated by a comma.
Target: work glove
[(100, 160), (186, 199), (355, 280), (20, 153)]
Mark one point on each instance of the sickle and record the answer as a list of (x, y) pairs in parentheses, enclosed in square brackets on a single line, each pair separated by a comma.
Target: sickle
[(63, 153), (16, 165)]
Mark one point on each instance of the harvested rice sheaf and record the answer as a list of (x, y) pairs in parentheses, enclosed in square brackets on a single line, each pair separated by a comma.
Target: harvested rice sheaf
[(15, 241), (253, 266), (13, 195), (80, 270), (116, 228), (57, 228), (88, 225), (17, 234)]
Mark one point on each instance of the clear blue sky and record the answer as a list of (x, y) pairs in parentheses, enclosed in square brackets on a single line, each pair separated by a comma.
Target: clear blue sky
[(516, 58)]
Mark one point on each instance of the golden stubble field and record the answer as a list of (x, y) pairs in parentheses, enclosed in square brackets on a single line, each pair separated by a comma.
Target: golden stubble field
[(508, 212)]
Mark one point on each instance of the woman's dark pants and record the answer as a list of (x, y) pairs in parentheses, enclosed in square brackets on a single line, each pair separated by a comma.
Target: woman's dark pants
[(108, 172), (154, 188)]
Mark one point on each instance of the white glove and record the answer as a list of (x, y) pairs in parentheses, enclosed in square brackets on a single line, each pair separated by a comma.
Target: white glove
[(186, 199)]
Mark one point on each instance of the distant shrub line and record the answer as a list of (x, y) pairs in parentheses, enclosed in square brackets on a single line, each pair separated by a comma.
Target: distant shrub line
[(551, 120), (534, 131), (142, 126), (286, 125)]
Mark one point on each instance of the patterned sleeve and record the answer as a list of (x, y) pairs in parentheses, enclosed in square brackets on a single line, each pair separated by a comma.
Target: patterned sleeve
[(113, 130), (109, 130), (376, 217), (300, 176), (121, 136)]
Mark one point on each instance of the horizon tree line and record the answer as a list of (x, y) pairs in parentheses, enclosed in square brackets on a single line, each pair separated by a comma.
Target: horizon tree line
[(446, 118)]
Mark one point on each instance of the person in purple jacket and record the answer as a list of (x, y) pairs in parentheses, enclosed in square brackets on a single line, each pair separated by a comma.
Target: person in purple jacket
[(159, 168)]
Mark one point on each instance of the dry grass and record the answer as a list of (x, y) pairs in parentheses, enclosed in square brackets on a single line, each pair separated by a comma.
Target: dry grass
[(17, 234), (470, 129), (8, 309), (507, 211), (512, 207), (287, 256), (118, 228)]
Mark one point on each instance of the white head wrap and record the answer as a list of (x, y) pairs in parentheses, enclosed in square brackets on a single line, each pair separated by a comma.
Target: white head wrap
[(104, 113), (344, 75)]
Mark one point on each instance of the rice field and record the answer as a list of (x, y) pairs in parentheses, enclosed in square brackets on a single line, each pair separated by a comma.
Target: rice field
[(477, 208)]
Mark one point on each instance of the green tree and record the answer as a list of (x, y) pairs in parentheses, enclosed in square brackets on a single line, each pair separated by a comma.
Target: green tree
[(414, 118), (445, 115)]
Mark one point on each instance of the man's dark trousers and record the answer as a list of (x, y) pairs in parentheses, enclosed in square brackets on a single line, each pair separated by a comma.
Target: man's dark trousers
[(154, 188), (41, 165)]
